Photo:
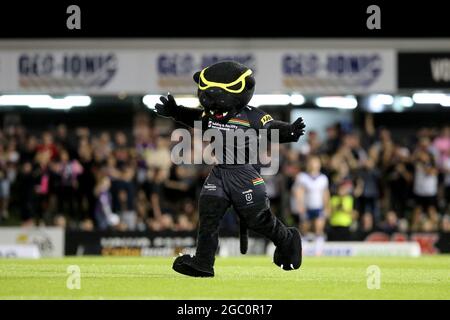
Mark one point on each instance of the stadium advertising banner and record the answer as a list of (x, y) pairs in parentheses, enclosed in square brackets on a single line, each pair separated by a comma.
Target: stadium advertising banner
[(170, 243), (49, 240), (331, 72), (164, 243), (162, 71), (84, 72), (425, 70), (284, 71)]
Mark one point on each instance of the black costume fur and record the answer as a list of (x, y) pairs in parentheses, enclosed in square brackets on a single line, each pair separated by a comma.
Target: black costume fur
[(224, 91)]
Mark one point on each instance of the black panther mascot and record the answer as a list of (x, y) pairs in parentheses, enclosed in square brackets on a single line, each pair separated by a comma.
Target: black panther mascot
[(224, 90)]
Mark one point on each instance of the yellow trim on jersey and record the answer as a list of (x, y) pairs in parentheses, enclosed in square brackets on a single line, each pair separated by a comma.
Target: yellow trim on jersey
[(266, 119)]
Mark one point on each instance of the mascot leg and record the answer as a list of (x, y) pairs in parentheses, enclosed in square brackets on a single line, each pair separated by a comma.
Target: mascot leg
[(288, 252), (211, 212)]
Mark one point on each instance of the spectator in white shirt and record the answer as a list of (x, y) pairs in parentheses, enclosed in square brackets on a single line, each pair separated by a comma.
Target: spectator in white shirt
[(312, 199)]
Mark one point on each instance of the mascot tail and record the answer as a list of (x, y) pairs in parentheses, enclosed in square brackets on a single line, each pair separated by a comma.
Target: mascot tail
[(243, 236)]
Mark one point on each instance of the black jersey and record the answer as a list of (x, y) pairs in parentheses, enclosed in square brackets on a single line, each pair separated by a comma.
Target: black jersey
[(240, 136)]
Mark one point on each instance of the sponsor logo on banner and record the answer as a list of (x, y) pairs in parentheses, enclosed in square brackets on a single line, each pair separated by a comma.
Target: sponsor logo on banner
[(175, 70), (57, 70), (424, 70), (334, 72), (29, 251), (49, 240), (440, 69)]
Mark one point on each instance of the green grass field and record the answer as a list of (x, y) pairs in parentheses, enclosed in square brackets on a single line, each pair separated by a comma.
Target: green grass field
[(236, 278)]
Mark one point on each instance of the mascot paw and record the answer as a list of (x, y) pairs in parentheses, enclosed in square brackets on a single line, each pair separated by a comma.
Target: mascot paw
[(298, 128), (187, 265), (168, 107), (289, 256)]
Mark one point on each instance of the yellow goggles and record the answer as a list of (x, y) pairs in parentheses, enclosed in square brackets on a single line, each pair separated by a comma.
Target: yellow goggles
[(224, 86)]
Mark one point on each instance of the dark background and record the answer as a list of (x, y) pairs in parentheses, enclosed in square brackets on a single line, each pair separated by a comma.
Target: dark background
[(166, 19)]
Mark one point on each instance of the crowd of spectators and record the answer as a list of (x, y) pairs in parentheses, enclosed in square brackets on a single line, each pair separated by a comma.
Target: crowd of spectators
[(85, 179)]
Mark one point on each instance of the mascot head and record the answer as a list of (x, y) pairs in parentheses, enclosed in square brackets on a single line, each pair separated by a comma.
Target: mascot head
[(224, 89)]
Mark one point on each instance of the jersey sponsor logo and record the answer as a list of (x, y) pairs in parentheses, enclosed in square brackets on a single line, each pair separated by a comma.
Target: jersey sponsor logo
[(210, 187), (221, 126), (266, 118)]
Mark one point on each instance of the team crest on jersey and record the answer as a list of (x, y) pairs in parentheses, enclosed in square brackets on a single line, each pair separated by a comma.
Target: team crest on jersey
[(266, 118)]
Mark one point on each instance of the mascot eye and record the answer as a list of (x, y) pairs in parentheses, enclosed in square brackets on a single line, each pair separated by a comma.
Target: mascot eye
[(236, 87), (201, 83)]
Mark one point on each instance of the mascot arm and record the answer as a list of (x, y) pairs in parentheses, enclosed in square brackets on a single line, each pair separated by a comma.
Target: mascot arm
[(188, 116), (287, 132), (184, 115)]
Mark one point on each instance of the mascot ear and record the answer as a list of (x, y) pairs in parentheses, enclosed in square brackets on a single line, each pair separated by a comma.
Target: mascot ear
[(249, 83), (196, 76)]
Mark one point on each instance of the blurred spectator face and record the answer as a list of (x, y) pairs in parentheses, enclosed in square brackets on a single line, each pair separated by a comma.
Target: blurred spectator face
[(367, 222), (424, 157), (111, 162), (47, 138), (120, 139), (27, 168), (128, 173), (82, 132), (141, 196), (105, 138), (87, 225), (60, 221), (98, 156), (312, 135), (61, 131), (123, 196), (445, 132), (141, 209), (349, 141), (292, 156), (424, 143), (166, 221), (385, 135), (189, 208), (402, 153), (85, 151), (32, 143), (105, 184), (163, 143), (159, 175), (423, 133), (12, 145), (313, 165), (183, 223), (427, 226), (64, 156), (331, 132), (369, 163), (391, 218), (43, 158), (446, 223), (345, 188)]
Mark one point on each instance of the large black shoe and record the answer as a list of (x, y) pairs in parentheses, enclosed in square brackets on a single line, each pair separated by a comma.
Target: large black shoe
[(189, 266), (289, 255)]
